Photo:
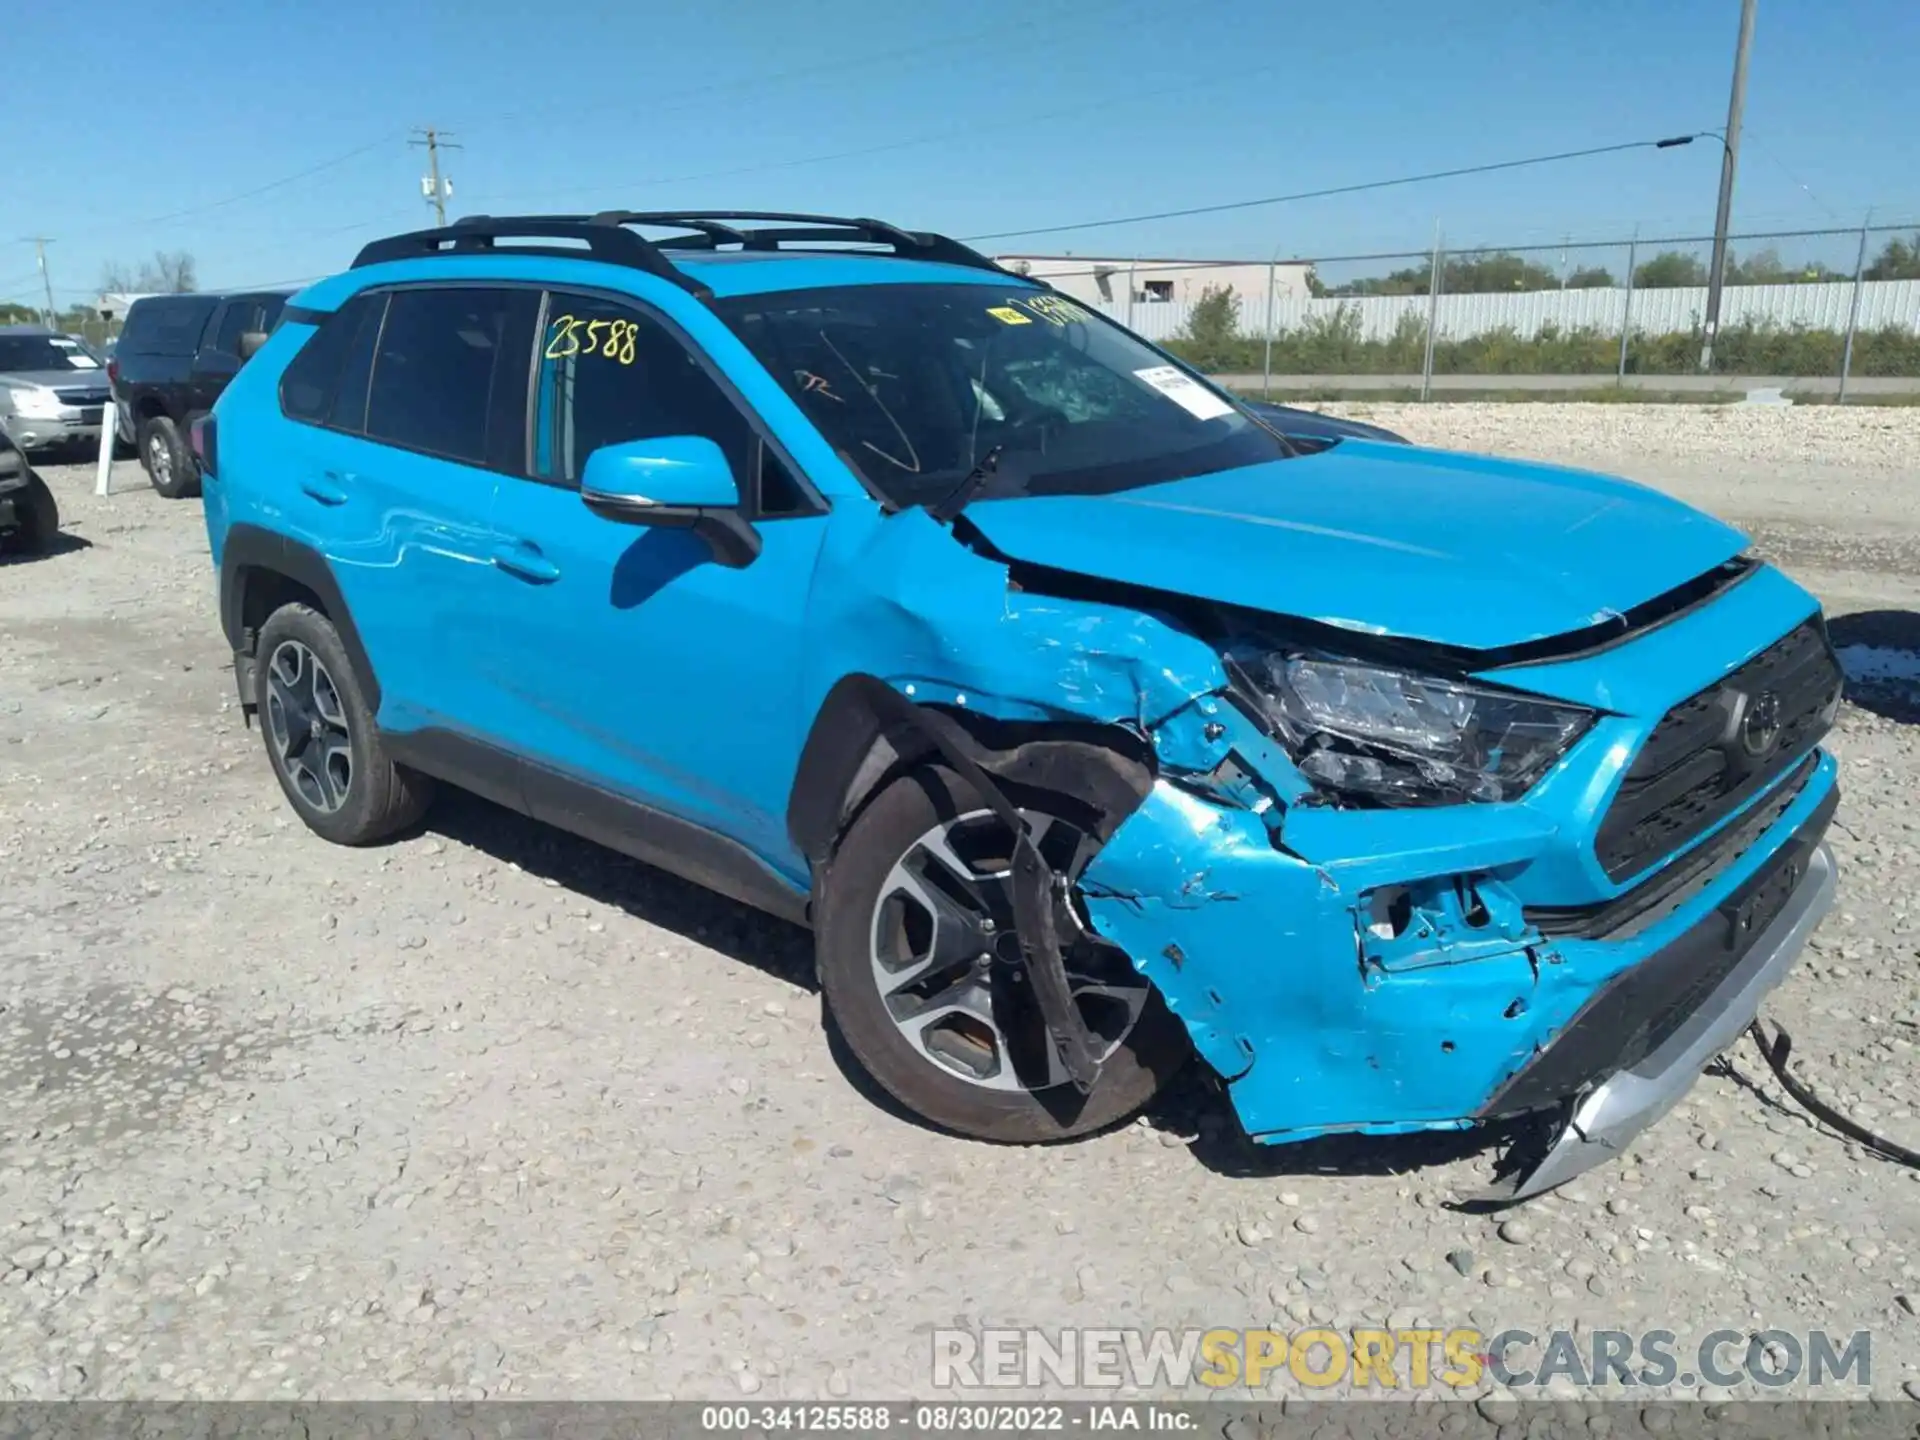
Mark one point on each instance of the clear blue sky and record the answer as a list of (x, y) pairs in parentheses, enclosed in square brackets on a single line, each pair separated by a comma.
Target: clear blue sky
[(973, 116)]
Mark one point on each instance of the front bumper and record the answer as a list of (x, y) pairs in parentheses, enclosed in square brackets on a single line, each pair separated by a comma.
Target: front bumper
[(51, 434), (1628, 1101), (1318, 1026)]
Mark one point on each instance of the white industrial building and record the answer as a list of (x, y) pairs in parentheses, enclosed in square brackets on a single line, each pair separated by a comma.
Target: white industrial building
[(1109, 280)]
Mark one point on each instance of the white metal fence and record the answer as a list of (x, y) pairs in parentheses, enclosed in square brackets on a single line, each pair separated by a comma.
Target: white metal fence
[(1826, 306)]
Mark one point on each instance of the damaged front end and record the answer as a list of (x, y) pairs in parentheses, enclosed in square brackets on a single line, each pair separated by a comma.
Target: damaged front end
[(1391, 906), (1390, 887)]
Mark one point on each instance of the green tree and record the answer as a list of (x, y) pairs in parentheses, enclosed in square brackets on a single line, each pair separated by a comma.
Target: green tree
[(1492, 274), (1212, 326), (1669, 270), (1898, 260), (1410, 281), (1590, 277)]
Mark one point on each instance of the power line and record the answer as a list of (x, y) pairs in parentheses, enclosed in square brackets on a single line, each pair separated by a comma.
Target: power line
[(257, 190), (966, 132), (1001, 35), (1665, 144)]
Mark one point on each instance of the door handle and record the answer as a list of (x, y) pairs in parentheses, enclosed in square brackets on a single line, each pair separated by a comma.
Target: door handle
[(522, 559), (325, 489)]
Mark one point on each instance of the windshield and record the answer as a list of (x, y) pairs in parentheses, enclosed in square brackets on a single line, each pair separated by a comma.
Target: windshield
[(915, 385), (22, 353)]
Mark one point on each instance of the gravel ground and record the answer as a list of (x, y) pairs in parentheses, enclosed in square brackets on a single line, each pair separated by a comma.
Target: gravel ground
[(489, 1112)]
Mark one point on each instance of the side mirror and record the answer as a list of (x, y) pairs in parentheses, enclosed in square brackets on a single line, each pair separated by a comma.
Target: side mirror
[(250, 342), (679, 482)]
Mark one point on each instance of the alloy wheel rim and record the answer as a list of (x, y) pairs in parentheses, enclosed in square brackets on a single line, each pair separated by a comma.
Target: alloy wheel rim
[(948, 965), (307, 724)]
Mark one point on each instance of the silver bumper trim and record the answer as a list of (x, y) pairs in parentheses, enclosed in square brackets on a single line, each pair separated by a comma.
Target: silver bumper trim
[(1626, 1104)]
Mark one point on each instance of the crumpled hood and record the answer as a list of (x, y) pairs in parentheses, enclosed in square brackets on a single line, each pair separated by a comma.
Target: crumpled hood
[(1462, 550)]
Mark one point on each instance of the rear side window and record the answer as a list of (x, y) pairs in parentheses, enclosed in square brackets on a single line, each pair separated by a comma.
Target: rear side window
[(249, 313), (307, 389), (235, 321), (167, 325), (450, 374)]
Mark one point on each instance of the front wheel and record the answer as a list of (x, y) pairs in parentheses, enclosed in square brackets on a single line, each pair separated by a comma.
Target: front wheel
[(921, 965), (169, 463), (38, 518)]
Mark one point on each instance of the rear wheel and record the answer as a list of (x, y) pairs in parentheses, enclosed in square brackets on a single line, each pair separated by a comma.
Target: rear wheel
[(921, 964), (168, 462), (321, 738)]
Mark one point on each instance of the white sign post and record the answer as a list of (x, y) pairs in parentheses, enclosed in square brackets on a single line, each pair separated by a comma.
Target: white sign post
[(109, 430)]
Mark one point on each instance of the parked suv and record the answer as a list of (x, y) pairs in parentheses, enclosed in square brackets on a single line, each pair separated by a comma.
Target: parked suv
[(175, 355), (52, 389), (1086, 721)]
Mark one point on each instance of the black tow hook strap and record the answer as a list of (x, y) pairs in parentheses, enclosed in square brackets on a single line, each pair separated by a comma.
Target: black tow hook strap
[(1775, 1053), (1035, 888)]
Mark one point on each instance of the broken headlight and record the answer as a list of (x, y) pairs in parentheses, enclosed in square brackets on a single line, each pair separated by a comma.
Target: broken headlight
[(1397, 737)]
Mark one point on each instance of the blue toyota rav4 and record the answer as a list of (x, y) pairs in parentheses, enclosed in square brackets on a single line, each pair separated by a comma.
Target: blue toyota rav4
[(1087, 721)]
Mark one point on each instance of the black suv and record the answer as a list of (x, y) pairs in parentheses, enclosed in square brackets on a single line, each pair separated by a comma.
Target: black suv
[(174, 358)]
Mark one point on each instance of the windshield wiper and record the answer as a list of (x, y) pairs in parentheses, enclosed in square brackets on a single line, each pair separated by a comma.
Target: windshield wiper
[(955, 500)]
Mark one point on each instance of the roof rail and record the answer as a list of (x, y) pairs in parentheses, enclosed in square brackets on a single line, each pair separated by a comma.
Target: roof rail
[(476, 234), (607, 238)]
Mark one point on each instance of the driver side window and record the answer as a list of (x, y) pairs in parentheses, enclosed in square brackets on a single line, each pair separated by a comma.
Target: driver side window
[(611, 373)]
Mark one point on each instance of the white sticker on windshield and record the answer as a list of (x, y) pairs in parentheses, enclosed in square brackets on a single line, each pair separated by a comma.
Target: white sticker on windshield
[(1184, 391), (81, 361)]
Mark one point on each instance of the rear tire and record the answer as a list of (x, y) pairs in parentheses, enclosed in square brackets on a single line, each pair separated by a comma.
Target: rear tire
[(988, 1079), (167, 460), (321, 738), (39, 519)]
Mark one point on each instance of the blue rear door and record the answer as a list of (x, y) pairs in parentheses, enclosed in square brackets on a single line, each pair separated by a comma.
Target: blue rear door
[(406, 441)]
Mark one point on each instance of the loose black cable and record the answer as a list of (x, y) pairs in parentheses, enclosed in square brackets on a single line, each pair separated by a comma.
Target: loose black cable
[(1354, 189), (1775, 1053)]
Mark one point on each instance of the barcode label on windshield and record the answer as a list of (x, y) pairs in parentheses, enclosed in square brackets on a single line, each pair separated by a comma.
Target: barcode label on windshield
[(1184, 391)]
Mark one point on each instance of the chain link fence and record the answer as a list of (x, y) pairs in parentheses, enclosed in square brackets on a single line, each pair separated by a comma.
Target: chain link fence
[(1831, 314)]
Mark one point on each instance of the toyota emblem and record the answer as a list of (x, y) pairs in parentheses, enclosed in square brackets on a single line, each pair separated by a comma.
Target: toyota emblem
[(1760, 725)]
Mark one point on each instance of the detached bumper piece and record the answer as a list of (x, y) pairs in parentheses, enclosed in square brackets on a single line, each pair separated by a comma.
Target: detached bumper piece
[(1641, 1042)]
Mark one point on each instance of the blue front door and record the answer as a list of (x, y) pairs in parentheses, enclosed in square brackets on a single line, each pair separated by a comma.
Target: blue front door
[(625, 655)]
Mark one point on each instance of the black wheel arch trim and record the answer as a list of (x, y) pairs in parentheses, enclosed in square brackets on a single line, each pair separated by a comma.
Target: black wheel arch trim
[(250, 548), (867, 730)]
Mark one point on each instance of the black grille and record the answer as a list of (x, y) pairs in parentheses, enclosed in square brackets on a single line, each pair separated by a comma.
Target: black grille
[(1699, 764), (1671, 886), (94, 396)]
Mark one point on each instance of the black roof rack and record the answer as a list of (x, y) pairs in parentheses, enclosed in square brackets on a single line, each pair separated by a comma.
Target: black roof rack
[(607, 238)]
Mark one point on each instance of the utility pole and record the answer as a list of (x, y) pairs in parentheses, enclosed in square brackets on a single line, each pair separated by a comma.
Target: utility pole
[(1729, 162), (432, 186), (40, 243)]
